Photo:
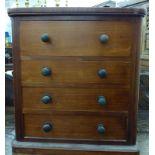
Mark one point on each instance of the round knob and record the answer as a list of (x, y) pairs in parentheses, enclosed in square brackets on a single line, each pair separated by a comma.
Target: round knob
[(47, 127), (100, 128), (104, 38), (46, 71), (46, 99), (101, 100), (102, 73), (45, 37)]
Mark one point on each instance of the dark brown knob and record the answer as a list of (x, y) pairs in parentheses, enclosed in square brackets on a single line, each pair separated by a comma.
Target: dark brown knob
[(46, 99), (102, 100), (46, 71), (100, 128), (104, 38), (47, 127), (45, 37), (102, 73)]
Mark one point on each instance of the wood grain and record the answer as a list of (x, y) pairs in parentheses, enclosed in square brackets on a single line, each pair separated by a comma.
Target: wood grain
[(76, 38), (74, 55), (82, 72), (49, 151), (135, 84), (16, 80), (74, 99), (77, 127), (92, 11)]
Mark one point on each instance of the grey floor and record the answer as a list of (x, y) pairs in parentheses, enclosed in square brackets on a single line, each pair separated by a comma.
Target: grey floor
[(142, 136)]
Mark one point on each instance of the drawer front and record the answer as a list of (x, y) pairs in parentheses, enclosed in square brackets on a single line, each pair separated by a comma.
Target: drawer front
[(75, 72), (78, 127), (76, 38), (75, 99)]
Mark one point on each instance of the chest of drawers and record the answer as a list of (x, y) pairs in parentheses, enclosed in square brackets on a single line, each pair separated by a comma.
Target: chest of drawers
[(76, 74)]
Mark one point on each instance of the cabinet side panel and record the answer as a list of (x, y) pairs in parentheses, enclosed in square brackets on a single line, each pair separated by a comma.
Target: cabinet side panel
[(134, 82), (16, 78)]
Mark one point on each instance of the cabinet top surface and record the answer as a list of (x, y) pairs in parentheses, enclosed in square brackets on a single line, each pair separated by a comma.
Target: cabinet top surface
[(75, 11)]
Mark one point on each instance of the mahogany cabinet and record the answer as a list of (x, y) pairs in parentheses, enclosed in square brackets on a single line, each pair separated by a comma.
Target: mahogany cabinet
[(76, 74)]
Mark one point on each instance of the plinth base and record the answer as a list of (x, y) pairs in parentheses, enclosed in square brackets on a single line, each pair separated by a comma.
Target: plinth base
[(35, 148)]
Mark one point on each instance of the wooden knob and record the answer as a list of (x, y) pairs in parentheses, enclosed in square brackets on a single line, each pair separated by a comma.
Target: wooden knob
[(46, 71), (46, 99), (45, 37), (102, 100), (47, 127), (101, 128), (104, 38), (102, 73)]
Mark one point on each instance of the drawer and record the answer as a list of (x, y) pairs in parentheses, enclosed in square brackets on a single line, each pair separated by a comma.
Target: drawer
[(76, 127), (75, 99), (75, 72), (76, 38)]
